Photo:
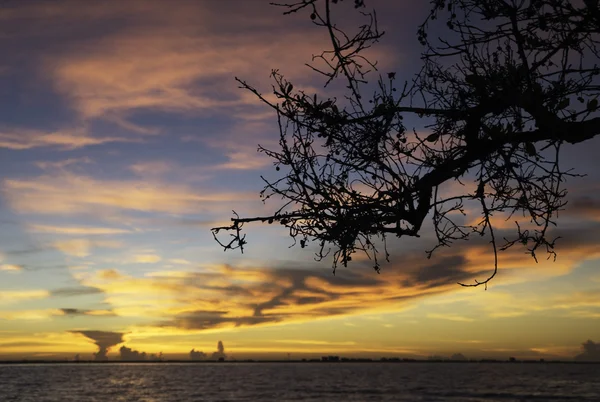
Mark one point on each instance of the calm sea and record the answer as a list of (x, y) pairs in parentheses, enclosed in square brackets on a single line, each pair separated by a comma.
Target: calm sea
[(300, 382)]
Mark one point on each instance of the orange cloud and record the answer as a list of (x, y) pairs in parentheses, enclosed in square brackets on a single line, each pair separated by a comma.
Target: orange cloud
[(73, 230), (60, 165), (21, 138), (450, 317), (146, 258), (225, 296), (586, 208), (180, 261), (14, 296), (153, 168), (110, 274), (164, 60), (28, 315), (71, 194), (83, 247), (160, 69), (11, 268), (50, 342)]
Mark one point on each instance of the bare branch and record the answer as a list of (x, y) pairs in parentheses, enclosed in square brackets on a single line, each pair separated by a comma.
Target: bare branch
[(509, 83)]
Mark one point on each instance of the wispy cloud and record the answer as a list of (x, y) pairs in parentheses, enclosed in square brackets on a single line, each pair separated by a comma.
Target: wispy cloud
[(73, 230), (73, 194), (62, 164), (83, 247), (179, 261), (170, 71), (75, 291), (16, 296), (152, 168), (450, 317), (11, 267), (146, 258), (23, 138), (30, 315), (584, 207), (79, 312), (226, 296), (315, 342), (146, 64)]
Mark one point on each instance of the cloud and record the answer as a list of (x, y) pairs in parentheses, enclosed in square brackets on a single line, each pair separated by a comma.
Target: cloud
[(79, 312), (17, 296), (160, 68), (584, 207), (146, 258), (156, 58), (11, 267), (315, 342), (225, 296), (450, 317), (71, 194), (244, 159), (444, 269), (83, 247), (23, 138), (153, 168), (241, 152), (229, 296), (179, 261), (75, 247), (73, 311), (104, 340), (73, 230), (30, 314), (109, 274), (575, 244), (62, 164), (590, 352), (241, 155), (27, 251)]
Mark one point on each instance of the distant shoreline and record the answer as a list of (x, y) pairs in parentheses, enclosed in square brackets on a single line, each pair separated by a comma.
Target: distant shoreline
[(250, 361)]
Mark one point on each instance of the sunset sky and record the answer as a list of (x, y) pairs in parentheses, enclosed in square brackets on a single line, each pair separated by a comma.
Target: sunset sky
[(124, 138)]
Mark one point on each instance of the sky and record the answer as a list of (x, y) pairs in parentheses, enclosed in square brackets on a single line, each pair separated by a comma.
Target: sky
[(124, 138)]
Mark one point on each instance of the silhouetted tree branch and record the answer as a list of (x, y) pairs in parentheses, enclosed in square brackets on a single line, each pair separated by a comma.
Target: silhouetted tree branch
[(506, 84)]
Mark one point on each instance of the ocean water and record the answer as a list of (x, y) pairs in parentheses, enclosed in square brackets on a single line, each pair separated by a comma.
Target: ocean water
[(300, 382)]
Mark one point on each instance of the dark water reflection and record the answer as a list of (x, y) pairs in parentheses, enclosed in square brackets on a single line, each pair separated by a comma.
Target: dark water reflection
[(300, 382)]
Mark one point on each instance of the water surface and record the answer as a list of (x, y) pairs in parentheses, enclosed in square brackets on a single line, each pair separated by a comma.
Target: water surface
[(300, 382)]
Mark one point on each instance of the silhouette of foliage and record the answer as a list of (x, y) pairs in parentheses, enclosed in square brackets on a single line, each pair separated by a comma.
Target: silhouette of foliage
[(504, 86)]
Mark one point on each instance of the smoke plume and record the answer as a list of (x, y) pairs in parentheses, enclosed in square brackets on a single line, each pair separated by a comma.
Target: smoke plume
[(590, 352), (220, 353), (104, 340)]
